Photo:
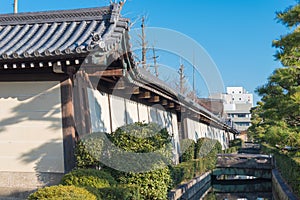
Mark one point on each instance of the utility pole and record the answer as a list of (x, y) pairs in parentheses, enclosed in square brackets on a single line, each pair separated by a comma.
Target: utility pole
[(144, 44), (155, 62), (15, 6), (181, 78), (194, 72)]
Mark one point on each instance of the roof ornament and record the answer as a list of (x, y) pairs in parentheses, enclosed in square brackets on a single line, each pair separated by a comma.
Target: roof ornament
[(97, 40)]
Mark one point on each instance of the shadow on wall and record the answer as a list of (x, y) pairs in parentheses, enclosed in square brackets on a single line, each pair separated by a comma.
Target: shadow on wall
[(25, 104), (31, 131), (48, 161)]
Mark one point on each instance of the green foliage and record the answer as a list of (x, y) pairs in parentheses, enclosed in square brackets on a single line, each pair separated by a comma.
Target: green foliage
[(288, 164), (88, 151), (88, 178), (122, 192), (234, 146), (62, 192), (187, 148), (277, 117), (145, 138), (141, 137), (206, 149), (153, 184)]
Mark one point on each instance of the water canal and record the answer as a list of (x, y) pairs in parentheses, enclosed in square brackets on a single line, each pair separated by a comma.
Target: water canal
[(241, 176)]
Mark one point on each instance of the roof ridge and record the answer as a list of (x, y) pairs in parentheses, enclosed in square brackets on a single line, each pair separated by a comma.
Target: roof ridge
[(56, 16)]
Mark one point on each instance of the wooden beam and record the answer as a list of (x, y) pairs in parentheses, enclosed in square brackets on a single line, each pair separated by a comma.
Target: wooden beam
[(68, 123), (171, 105), (145, 95), (110, 72), (154, 99), (133, 90), (164, 102)]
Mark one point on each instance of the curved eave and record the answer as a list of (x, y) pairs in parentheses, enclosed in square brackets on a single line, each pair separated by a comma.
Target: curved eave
[(73, 33)]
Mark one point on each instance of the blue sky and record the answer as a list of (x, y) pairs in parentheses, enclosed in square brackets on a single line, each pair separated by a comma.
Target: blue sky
[(236, 34)]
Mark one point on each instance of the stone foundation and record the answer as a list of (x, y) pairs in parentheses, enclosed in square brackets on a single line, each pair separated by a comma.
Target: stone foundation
[(18, 185)]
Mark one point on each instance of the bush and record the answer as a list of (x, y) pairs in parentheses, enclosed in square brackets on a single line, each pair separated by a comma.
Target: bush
[(124, 192), (187, 150), (153, 185), (205, 151), (144, 139), (62, 192), (88, 178), (186, 171), (288, 165), (88, 151), (206, 147), (235, 143)]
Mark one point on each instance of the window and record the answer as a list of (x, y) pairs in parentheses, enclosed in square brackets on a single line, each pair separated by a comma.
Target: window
[(241, 115), (240, 99), (232, 99)]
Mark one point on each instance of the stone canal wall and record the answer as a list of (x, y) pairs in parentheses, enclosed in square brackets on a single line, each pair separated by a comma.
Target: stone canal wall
[(280, 189), (195, 187)]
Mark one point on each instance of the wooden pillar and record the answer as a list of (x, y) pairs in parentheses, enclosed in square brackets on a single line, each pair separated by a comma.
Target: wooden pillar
[(68, 123)]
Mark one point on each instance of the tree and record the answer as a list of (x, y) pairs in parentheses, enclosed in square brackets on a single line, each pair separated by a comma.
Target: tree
[(277, 118)]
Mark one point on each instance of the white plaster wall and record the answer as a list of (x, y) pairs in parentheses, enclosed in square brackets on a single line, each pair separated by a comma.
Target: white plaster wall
[(31, 138), (99, 111), (153, 114), (143, 113), (118, 112), (131, 111)]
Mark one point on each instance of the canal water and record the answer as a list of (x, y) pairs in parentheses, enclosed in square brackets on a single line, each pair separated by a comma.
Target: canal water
[(251, 189)]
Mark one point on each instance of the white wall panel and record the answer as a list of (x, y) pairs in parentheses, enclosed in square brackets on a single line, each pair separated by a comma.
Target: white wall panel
[(118, 112), (175, 132), (99, 111), (131, 111), (143, 113), (162, 118), (31, 138), (153, 115)]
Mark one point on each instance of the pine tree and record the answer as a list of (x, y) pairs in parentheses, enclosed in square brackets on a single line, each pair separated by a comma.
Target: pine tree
[(280, 108)]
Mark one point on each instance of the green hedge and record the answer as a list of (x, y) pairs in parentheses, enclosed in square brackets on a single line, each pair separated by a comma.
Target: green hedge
[(186, 171), (88, 178), (206, 147), (153, 184), (234, 146), (88, 151), (187, 148), (123, 192), (62, 192), (205, 150), (288, 164)]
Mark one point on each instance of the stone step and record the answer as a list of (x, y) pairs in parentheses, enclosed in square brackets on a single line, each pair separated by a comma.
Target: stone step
[(8, 193)]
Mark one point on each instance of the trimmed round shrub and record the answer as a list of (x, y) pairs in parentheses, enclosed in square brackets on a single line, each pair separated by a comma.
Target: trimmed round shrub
[(88, 150), (187, 150), (122, 192), (62, 192), (206, 147), (143, 139), (88, 178), (153, 185)]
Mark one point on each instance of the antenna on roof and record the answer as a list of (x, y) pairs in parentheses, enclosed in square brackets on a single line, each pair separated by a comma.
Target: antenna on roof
[(15, 6)]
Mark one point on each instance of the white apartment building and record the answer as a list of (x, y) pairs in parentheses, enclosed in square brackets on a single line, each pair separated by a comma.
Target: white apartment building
[(237, 105)]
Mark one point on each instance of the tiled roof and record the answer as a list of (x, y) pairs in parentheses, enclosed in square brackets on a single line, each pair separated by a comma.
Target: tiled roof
[(59, 33)]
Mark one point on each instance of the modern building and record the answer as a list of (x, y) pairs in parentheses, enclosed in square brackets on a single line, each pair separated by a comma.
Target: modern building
[(237, 105)]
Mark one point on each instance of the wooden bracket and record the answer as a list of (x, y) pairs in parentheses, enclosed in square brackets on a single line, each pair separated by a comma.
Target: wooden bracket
[(145, 95)]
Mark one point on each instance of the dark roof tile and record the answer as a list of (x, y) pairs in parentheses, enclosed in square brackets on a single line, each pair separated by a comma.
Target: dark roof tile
[(45, 34)]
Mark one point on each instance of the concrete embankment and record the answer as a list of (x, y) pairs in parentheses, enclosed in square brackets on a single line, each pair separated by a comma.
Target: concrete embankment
[(281, 191), (192, 189)]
